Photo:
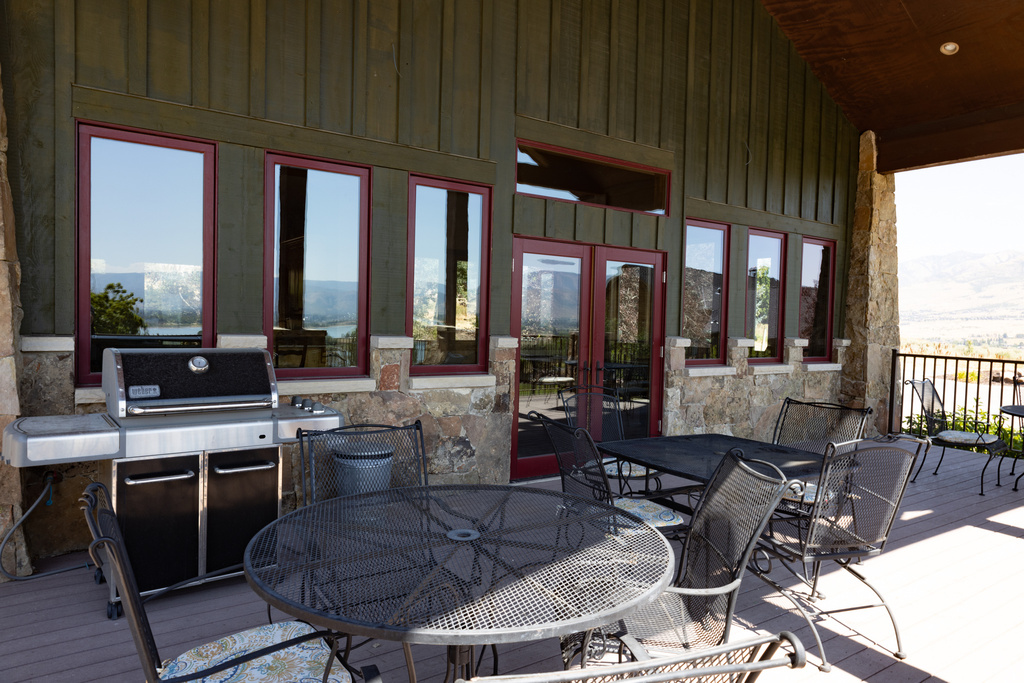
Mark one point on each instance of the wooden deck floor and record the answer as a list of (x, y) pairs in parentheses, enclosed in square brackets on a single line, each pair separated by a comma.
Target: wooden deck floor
[(950, 573)]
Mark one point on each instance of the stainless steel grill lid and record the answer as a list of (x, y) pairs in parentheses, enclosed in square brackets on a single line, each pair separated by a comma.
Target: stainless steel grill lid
[(139, 382)]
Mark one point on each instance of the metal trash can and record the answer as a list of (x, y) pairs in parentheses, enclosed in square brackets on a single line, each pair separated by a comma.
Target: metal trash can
[(362, 467)]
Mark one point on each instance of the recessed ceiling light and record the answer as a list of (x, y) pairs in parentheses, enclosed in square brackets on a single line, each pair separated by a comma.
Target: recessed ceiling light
[(949, 48)]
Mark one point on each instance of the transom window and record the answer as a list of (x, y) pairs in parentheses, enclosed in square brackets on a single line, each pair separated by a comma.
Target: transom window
[(145, 231), (315, 297), (554, 173), (448, 241)]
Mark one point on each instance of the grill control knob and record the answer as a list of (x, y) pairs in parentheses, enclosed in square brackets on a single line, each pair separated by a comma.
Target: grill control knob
[(297, 401), (318, 408), (198, 364), (307, 404)]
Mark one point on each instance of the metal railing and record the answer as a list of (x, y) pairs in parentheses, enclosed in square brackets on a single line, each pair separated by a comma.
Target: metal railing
[(971, 388)]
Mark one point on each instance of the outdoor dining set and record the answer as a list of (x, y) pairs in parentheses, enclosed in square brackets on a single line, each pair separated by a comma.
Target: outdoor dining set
[(633, 568)]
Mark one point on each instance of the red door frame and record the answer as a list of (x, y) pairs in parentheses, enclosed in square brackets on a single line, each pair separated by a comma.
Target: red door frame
[(593, 258)]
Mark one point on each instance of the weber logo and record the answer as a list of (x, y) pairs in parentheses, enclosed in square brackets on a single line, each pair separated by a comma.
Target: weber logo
[(144, 391)]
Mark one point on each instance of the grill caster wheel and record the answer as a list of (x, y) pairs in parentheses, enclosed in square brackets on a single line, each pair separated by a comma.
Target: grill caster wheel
[(97, 576), (114, 610)]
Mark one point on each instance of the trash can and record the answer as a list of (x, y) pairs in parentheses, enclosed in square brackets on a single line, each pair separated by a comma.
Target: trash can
[(362, 467)]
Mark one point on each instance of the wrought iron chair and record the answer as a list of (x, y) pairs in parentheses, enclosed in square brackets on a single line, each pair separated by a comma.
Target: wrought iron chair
[(812, 425), (697, 611), (360, 458), (283, 651), (847, 518), (598, 409), (940, 432), (739, 662), (583, 473)]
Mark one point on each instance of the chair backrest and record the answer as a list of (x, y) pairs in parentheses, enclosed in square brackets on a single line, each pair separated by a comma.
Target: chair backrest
[(600, 413), (931, 405), (579, 463), (738, 662), (107, 537), (812, 425), (727, 521), (858, 495), (360, 458)]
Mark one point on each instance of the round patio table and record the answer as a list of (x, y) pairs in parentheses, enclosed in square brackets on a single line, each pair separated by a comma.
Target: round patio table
[(459, 565)]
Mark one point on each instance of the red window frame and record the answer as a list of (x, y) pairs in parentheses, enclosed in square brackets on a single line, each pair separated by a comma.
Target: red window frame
[(723, 327), (86, 131), (485, 250), (831, 246), (269, 247), (608, 161), (781, 315)]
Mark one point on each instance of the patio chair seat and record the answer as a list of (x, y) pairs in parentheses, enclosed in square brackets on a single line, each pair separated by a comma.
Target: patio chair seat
[(955, 437), (614, 469), (653, 513), (305, 661)]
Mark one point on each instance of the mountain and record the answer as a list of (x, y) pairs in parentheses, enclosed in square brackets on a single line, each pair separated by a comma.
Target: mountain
[(962, 296)]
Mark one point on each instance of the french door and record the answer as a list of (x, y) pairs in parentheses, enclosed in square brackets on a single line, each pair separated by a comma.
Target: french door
[(584, 314)]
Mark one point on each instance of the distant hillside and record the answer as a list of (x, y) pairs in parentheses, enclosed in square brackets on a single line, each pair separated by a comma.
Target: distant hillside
[(963, 296)]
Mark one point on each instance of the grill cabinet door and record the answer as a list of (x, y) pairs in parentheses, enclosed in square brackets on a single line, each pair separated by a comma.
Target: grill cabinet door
[(157, 505), (242, 497)]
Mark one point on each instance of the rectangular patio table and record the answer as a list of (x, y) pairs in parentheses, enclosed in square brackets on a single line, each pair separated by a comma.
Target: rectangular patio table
[(696, 456), (459, 565)]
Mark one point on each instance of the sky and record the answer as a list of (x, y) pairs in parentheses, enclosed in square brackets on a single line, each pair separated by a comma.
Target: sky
[(972, 206)]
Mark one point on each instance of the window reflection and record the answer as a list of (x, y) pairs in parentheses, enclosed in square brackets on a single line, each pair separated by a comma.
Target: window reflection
[(703, 285), (447, 271), (815, 298), (146, 233), (316, 268), (764, 279)]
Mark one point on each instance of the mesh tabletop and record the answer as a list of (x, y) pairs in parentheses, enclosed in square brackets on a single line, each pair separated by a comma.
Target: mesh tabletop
[(695, 456), (459, 564)]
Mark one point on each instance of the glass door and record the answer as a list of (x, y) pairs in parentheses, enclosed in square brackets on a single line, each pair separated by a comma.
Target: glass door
[(584, 314)]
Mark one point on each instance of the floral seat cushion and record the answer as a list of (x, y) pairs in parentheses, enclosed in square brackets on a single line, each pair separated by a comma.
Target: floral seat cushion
[(629, 470), (967, 438), (654, 514), (302, 662)]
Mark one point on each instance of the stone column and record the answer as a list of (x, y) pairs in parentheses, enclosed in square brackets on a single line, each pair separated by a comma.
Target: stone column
[(15, 558), (872, 299)]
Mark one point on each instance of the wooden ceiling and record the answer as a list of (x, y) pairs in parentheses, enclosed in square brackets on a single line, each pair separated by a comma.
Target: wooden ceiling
[(880, 60)]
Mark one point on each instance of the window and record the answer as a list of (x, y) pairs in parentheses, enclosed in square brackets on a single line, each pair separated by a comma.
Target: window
[(145, 249), (816, 279), (764, 294), (704, 281), (555, 173), (315, 318), (448, 241)]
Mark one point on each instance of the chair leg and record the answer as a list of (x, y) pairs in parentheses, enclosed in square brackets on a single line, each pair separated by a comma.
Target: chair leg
[(410, 666), (793, 598), (899, 653), (941, 456), (921, 466)]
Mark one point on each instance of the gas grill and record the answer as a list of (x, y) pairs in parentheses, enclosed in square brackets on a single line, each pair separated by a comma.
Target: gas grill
[(190, 447)]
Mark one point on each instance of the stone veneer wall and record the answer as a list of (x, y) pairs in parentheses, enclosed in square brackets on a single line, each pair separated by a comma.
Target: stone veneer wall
[(872, 297), (742, 398), (15, 558)]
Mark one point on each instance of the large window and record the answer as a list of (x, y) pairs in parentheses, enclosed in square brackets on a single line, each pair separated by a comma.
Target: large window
[(145, 249), (316, 272), (704, 284), (545, 171), (448, 238), (764, 294), (816, 278)]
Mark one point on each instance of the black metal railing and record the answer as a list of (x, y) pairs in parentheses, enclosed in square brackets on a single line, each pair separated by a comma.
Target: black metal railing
[(972, 392)]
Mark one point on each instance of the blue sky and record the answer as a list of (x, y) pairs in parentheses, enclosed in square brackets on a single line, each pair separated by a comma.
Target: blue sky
[(973, 206)]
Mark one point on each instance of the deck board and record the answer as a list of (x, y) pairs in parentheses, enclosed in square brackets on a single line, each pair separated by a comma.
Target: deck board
[(949, 572)]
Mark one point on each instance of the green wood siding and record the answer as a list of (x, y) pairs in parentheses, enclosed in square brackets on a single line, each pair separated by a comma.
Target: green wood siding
[(709, 90)]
